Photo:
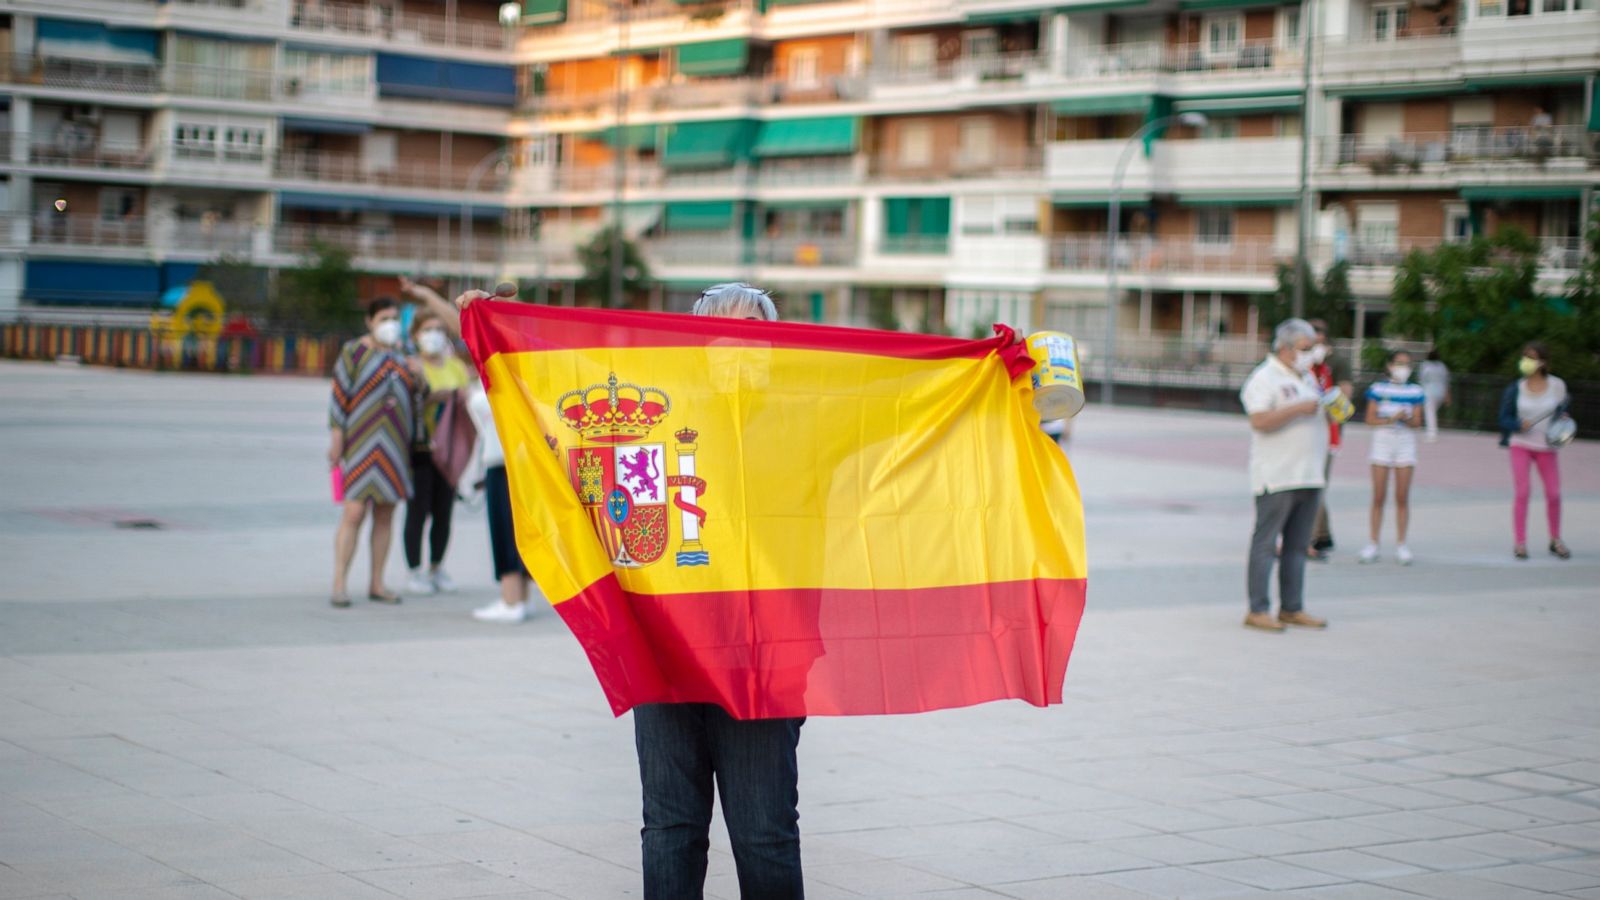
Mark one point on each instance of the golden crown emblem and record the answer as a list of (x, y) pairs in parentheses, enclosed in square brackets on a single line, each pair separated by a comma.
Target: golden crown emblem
[(614, 412)]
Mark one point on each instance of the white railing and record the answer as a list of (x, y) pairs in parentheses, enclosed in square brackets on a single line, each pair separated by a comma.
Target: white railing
[(1263, 56), (81, 74), (234, 238), (296, 238), (1411, 152), (986, 67), (1556, 254), (914, 245), (349, 168), (815, 171), (98, 154), (1002, 162), (1116, 60), (1187, 257), (596, 178), (715, 248), (798, 250), (583, 15), (366, 20), (66, 230), (220, 83)]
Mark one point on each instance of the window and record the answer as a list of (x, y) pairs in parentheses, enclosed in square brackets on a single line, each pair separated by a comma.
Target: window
[(194, 142), (915, 53), (1019, 215), (976, 145), (980, 44), (916, 145), (117, 203), (244, 144), (1388, 21), (1457, 222), (1491, 9), (1289, 27), (1378, 226), (978, 215), (312, 72), (803, 68), (1214, 226), (1220, 129), (1222, 34)]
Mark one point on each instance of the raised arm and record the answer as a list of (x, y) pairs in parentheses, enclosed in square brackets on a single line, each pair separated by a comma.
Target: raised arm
[(436, 304)]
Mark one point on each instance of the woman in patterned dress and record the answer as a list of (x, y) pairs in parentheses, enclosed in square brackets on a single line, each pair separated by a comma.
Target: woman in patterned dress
[(370, 419)]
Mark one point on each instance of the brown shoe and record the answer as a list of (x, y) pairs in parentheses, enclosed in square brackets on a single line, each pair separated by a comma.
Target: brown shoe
[(1302, 620), (1262, 621)]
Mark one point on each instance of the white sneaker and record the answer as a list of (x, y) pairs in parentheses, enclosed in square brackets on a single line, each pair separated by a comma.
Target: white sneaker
[(419, 584), (442, 582), (1369, 554), (1403, 554), (498, 611)]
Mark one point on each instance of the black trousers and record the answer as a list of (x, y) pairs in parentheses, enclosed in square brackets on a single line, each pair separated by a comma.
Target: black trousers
[(432, 497)]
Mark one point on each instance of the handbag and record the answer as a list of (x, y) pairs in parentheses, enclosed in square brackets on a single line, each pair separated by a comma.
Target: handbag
[(454, 439)]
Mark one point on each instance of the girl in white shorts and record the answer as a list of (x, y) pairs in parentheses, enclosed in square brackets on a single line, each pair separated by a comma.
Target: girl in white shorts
[(1394, 410)]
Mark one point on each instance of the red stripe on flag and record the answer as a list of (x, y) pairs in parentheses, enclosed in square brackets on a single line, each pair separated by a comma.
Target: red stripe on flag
[(810, 652), (497, 326)]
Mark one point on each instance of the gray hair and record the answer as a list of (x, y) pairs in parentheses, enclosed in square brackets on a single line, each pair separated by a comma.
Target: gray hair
[(736, 300), (1290, 331)]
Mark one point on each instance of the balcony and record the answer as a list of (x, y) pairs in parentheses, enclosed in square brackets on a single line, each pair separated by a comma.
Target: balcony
[(1116, 61), (805, 172), (707, 249), (351, 169), (806, 251), (395, 29), (99, 155), (73, 74), (1417, 54), (711, 93), (962, 74), (914, 245), (88, 232), (1142, 255), (1205, 166), (1497, 150), (1558, 257), (220, 83), (992, 163), (1258, 58), (409, 247)]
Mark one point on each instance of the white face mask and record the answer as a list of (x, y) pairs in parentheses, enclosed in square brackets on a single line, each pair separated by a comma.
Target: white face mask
[(1304, 360), (432, 342), (1319, 353), (1401, 374), (387, 332)]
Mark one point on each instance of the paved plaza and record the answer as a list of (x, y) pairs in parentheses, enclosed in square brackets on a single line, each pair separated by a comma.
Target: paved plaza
[(183, 716)]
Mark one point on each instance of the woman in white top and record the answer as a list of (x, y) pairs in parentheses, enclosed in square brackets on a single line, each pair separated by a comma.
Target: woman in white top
[(1527, 408), (1434, 376), (508, 568)]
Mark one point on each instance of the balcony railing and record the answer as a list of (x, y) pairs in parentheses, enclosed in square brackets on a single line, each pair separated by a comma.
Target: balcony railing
[(1026, 162), (592, 14), (65, 230), (349, 168), (296, 238), (366, 20), (98, 154), (1556, 254), (1464, 146), (1116, 60), (81, 74), (819, 171), (799, 250), (220, 83), (713, 248), (985, 67), (1247, 56), (914, 245), (1188, 257)]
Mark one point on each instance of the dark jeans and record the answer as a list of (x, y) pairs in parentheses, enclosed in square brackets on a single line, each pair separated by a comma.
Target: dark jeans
[(1288, 515), (1322, 535), (502, 532), (682, 748), (431, 497)]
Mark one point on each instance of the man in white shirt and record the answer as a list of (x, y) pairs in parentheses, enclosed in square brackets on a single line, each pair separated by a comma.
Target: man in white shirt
[(1288, 452)]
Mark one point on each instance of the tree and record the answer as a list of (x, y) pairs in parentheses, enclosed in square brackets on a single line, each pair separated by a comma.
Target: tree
[(1329, 300), (243, 285), (596, 259), (320, 295), (1478, 302)]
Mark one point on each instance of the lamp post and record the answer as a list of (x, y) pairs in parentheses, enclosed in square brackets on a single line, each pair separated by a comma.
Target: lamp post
[(499, 161), (619, 163), (1308, 24), (1114, 223)]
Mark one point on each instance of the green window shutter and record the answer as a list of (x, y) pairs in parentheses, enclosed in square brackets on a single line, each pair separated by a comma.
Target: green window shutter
[(1238, 198), (1484, 192), (935, 216), (1238, 104), (700, 215), (635, 137), (1160, 108), (544, 12), (1118, 105), (1594, 106), (897, 216), (807, 137), (725, 57), (708, 145)]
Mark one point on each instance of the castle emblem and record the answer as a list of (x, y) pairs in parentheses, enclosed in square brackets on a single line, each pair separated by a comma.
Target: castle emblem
[(621, 477)]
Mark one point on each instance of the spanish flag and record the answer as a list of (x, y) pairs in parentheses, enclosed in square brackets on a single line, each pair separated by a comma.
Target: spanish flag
[(786, 519)]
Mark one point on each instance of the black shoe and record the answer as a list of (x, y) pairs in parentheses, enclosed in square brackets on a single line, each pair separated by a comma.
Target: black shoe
[(1520, 551), (1559, 550), (391, 599)]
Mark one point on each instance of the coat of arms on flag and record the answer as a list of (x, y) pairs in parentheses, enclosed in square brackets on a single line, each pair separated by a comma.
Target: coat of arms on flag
[(621, 478)]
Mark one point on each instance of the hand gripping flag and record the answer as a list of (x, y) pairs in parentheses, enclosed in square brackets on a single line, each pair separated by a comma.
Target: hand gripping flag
[(786, 519)]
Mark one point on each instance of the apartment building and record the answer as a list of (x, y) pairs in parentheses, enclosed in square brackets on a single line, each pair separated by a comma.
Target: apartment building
[(946, 163), (931, 164), (144, 138)]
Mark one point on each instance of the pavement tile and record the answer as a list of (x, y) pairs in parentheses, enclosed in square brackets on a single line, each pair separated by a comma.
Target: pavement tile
[(1352, 865), (1471, 790), (1538, 783), (1539, 878), (1348, 892), (1434, 855), (445, 882), (1075, 887), (1257, 840), (1581, 837), (1553, 808), (1172, 849), (1509, 847), (1178, 884), (880, 877), (1327, 803), (1459, 886), (327, 886), (1268, 874), (1398, 797)]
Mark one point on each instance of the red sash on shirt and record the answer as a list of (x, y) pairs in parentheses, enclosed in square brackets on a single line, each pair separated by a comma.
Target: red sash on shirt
[(1323, 373)]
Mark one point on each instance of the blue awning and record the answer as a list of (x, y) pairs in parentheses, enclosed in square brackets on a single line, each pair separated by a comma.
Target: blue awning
[(325, 126), (82, 283), (430, 208), (330, 202), (178, 274), (436, 79), (127, 40)]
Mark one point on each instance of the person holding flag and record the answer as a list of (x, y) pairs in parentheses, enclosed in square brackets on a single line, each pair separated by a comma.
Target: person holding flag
[(844, 522)]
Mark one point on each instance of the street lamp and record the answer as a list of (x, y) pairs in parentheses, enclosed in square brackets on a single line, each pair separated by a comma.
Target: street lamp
[(618, 151), (1302, 268), (510, 15), (1114, 222), (500, 162)]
